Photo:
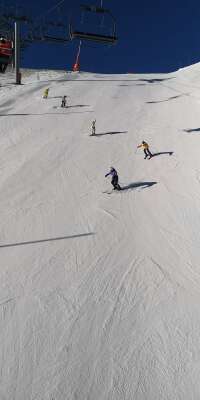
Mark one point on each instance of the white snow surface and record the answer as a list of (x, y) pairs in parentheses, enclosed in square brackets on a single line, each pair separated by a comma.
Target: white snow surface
[(99, 292)]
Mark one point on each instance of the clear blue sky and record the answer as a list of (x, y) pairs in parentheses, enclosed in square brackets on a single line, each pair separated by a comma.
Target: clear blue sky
[(154, 36)]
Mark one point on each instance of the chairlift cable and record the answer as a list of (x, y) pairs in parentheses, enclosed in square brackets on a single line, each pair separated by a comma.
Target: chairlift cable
[(56, 6), (50, 9), (102, 20)]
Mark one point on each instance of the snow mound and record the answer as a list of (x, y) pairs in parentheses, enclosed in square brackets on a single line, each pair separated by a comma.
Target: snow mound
[(99, 293)]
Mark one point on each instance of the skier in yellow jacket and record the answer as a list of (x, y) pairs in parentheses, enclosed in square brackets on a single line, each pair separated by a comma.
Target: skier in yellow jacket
[(45, 94), (145, 147)]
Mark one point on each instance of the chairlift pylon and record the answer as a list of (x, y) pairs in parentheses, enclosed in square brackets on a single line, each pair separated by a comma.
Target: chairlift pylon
[(104, 38)]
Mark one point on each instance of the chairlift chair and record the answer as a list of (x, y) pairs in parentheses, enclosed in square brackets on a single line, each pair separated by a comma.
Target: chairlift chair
[(95, 36)]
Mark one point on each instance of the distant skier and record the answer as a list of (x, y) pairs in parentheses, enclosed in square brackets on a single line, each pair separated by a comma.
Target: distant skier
[(93, 127), (114, 180), (145, 147), (64, 101), (46, 93)]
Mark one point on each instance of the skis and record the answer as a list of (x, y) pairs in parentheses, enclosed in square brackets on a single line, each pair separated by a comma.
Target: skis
[(107, 192), (112, 191)]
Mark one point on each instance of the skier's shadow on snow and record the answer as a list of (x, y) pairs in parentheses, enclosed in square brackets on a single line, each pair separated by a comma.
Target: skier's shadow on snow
[(162, 152), (46, 240), (135, 185), (192, 130), (78, 105), (109, 133)]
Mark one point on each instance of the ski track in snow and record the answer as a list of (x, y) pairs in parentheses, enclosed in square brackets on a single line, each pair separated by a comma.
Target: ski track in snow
[(111, 311)]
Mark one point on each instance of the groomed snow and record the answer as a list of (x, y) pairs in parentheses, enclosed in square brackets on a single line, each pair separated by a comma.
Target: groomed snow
[(99, 293)]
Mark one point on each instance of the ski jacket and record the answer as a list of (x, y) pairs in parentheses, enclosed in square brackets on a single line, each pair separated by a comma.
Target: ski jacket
[(112, 172), (144, 145)]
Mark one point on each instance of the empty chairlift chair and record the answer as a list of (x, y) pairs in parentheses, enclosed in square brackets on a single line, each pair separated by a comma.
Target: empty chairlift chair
[(108, 36)]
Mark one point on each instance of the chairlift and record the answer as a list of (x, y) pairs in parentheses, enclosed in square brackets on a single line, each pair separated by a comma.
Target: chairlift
[(6, 52), (54, 39), (48, 31), (44, 35), (95, 36)]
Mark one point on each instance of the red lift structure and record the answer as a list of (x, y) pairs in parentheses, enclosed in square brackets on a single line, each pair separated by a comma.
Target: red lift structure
[(6, 53), (76, 66)]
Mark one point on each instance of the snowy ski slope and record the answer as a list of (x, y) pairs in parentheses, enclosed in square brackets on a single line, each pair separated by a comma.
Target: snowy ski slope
[(99, 293)]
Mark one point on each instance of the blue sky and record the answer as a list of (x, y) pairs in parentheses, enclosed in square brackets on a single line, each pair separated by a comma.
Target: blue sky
[(154, 36)]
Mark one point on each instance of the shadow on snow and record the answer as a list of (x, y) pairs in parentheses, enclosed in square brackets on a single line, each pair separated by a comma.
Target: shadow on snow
[(137, 84), (192, 130), (118, 80), (51, 113), (163, 101), (78, 105), (135, 185), (46, 240), (154, 80), (163, 152), (109, 133)]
